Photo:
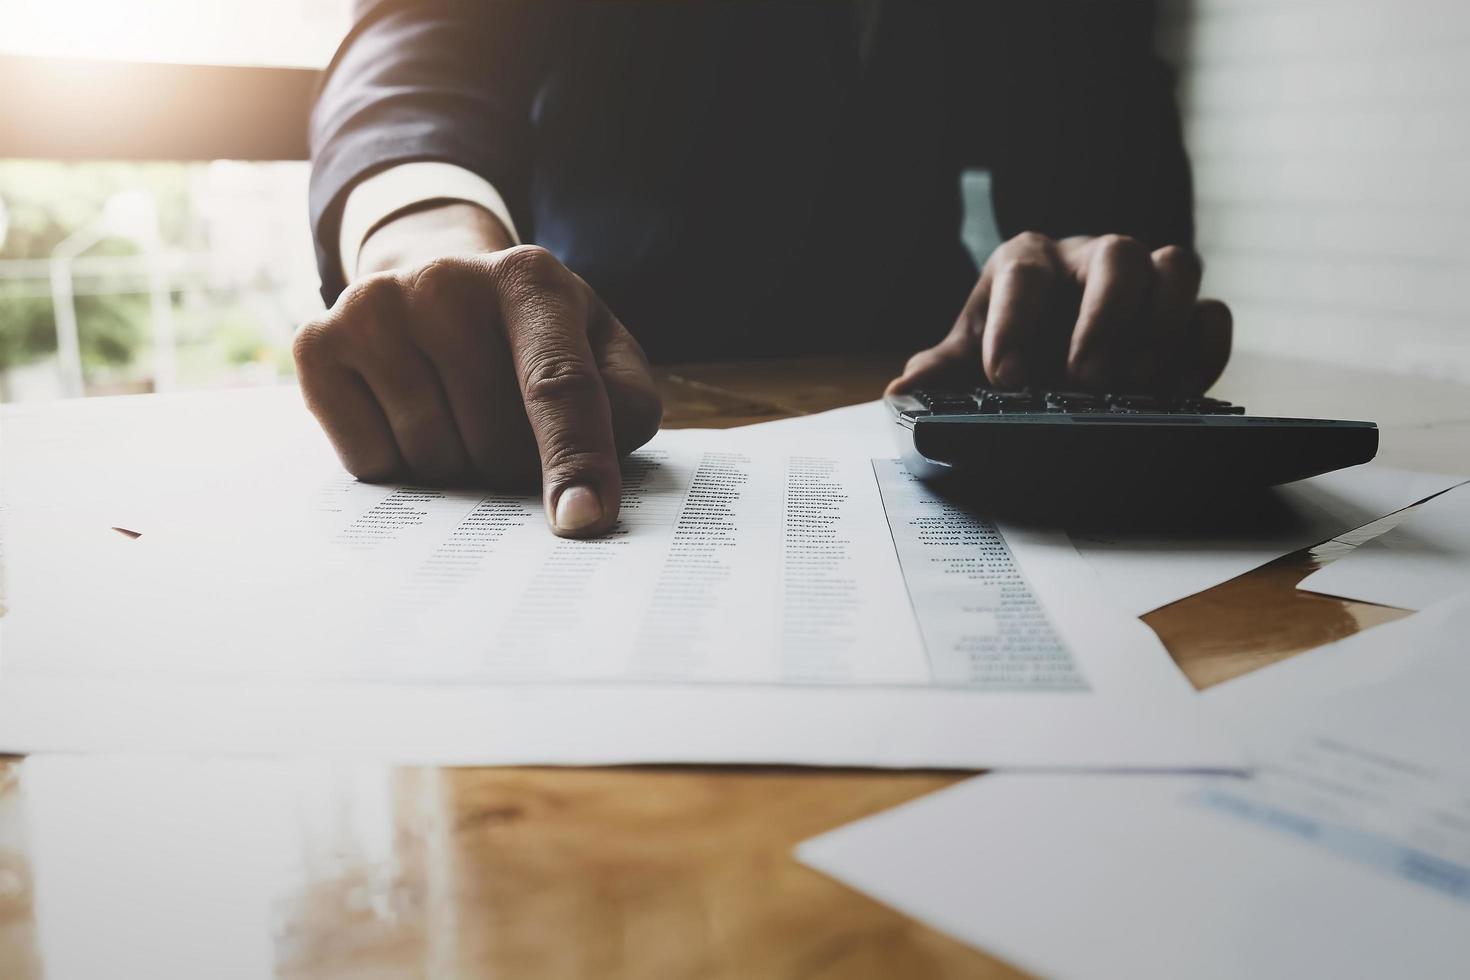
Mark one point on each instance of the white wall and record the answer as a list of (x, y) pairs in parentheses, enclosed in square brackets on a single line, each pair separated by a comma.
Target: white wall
[(1331, 149)]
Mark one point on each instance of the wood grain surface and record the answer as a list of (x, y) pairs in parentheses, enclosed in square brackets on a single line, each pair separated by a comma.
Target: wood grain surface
[(160, 868)]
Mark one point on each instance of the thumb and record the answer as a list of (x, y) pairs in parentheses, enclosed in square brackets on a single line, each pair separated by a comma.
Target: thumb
[(954, 361), (632, 393)]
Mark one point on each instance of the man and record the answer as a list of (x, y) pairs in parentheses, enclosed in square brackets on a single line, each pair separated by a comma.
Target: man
[(719, 178)]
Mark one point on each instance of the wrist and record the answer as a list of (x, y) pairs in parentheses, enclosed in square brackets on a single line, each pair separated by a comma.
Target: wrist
[(423, 234)]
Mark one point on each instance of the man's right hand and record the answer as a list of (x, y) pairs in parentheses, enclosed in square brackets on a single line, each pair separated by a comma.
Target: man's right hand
[(479, 366)]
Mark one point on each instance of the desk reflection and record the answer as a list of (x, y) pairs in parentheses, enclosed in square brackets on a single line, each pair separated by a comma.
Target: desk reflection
[(119, 867), (115, 867)]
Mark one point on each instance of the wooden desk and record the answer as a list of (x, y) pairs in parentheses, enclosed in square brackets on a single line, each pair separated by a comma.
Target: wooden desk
[(161, 868)]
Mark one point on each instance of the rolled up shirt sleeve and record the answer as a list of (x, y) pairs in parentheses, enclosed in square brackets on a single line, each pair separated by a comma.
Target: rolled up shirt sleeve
[(406, 187)]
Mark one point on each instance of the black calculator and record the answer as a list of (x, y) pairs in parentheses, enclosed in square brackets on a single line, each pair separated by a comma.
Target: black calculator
[(1039, 445)]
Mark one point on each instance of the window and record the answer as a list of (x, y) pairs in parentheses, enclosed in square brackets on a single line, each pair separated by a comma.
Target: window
[(153, 273), (282, 33)]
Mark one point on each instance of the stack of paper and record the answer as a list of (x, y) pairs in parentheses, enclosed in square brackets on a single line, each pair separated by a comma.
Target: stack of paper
[(1347, 854), (783, 593), (1424, 559), (760, 602)]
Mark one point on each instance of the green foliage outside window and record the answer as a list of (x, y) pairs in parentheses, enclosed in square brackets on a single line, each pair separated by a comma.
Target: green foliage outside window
[(44, 203)]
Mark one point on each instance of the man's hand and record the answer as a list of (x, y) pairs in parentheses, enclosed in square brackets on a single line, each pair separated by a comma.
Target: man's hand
[(1091, 313), (479, 366)]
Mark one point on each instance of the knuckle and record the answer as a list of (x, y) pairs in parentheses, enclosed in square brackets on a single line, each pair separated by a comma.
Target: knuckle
[(308, 347), (430, 281), (365, 305), (1174, 260), (1031, 240), (556, 378), (360, 307), (1029, 271), (1122, 248), (563, 462), (530, 267), (369, 296)]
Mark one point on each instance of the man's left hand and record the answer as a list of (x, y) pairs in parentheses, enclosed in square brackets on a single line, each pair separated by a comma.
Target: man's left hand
[(1095, 313)]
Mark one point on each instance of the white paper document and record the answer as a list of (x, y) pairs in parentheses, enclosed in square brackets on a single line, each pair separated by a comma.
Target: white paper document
[(1256, 701), (1144, 570), (801, 609), (866, 428), (1347, 853), (1424, 559), (1137, 877), (145, 461)]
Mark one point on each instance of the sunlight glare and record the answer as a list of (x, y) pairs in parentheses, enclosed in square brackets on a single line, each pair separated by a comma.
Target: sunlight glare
[(254, 32)]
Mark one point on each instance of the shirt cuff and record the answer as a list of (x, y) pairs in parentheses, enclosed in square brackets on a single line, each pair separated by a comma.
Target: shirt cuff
[(383, 195)]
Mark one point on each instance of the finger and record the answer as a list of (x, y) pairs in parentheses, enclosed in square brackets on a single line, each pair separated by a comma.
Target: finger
[(545, 313), (348, 413), (955, 360), (373, 342), (456, 327), (1212, 333), (947, 363), (1116, 274), (1025, 274), (340, 399), (632, 393), (1177, 273)]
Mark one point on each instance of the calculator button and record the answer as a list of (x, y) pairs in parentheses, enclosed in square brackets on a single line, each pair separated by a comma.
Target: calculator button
[(1011, 401), (1136, 403), (1073, 401)]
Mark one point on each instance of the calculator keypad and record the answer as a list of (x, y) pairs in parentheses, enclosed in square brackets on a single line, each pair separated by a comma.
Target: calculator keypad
[(989, 401)]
